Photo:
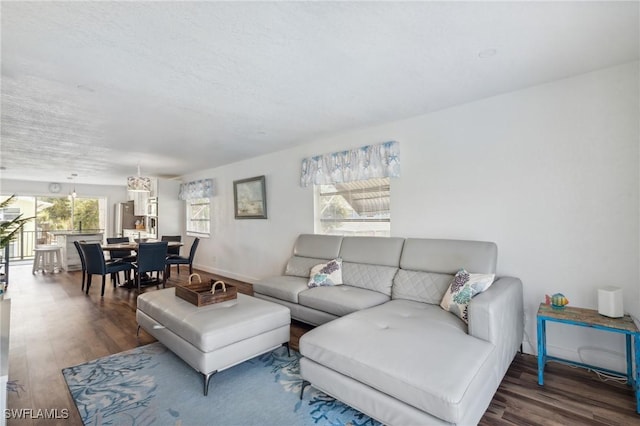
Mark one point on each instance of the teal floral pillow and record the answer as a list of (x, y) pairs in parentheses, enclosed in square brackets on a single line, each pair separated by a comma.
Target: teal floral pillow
[(326, 274), (462, 289)]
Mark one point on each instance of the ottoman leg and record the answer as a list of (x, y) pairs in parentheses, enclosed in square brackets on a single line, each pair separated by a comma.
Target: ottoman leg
[(206, 378), (305, 383), (288, 350)]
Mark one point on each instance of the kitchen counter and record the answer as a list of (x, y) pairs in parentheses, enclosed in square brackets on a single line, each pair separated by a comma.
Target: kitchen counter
[(70, 257), (76, 232)]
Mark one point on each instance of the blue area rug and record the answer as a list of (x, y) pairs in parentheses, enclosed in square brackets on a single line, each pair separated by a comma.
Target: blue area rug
[(150, 385)]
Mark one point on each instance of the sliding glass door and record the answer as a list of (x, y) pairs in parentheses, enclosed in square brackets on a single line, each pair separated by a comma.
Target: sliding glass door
[(63, 213)]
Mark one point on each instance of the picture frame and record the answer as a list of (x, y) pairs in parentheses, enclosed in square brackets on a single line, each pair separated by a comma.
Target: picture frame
[(250, 198)]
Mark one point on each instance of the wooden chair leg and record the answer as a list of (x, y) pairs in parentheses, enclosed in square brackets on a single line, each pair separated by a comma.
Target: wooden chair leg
[(88, 282), (84, 276), (103, 281)]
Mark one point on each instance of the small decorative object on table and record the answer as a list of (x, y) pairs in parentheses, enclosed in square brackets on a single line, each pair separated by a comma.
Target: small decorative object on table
[(201, 294), (557, 301)]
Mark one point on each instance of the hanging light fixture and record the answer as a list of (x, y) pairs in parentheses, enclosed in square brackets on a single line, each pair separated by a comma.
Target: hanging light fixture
[(139, 183), (73, 194)]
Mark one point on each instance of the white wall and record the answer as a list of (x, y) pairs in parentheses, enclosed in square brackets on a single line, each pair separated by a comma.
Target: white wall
[(550, 173)]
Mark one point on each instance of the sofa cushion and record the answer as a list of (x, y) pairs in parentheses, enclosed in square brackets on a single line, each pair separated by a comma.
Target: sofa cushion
[(371, 277), (412, 351), (283, 288), (463, 287), (318, 246), (326, 274), (427, 287), (447, 256), (372, 250), (340, 300), (299, 266)]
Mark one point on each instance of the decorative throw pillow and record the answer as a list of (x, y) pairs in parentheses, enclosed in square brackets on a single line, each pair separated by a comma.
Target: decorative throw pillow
[(326, 274), (462, 289)]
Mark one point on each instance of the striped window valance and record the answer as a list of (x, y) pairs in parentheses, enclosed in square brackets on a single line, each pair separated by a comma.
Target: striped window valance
[(196, 189), (367, 162)]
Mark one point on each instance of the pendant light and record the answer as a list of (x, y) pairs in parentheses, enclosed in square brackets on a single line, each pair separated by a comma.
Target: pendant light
[(139, 183), (73, 194)]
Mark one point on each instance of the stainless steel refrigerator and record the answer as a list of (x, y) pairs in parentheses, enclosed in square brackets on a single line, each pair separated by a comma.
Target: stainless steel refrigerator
[(124, 218)]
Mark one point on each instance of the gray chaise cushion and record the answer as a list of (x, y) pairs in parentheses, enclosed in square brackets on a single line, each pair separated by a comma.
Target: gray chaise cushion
[(412, 351), (340, 299)]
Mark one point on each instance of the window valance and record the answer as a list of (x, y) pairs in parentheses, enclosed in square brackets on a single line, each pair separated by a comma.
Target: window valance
[(371, 161), (196, 189)]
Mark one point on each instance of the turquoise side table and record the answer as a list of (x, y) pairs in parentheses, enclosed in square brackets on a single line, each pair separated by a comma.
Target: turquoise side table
[(591, 318)]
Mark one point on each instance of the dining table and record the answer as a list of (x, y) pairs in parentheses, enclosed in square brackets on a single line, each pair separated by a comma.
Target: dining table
[(132, 245)]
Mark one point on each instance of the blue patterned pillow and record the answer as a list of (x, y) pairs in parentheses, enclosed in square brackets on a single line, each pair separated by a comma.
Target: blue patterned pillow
[(462, 289), (326, 274)]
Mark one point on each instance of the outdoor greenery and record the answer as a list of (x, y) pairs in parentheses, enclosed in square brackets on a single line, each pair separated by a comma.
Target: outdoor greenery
[(54, 213), (9, 229)]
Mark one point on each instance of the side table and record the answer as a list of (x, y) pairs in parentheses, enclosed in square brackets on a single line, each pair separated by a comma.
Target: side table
[(591, 318)]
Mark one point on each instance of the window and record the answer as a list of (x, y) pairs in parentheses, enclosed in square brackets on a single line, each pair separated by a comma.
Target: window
[(54, 213), (198, 217), (353, 208)]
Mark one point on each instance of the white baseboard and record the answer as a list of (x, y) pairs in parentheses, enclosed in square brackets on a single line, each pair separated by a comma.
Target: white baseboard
[(226, 273)]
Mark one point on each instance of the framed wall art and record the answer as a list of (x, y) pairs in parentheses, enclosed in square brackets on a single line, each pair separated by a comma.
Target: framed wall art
[(250, 198)]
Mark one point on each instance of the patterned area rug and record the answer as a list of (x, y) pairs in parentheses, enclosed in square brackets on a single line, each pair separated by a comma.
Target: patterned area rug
[(150, 385)]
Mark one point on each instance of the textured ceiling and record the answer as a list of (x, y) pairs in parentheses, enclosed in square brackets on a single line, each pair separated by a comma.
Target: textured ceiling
[(95, 88)]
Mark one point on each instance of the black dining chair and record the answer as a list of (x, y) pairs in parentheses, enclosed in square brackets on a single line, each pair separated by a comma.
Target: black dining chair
[(97, 265), (123, 255), (172, 251), (179, 260), (82, 261), (151, 258)]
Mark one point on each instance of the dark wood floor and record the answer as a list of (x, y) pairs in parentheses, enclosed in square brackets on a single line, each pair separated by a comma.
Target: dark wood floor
[(54, 325)]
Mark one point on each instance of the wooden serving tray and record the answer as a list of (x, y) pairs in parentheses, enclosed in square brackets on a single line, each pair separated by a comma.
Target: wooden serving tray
[(200, 293)]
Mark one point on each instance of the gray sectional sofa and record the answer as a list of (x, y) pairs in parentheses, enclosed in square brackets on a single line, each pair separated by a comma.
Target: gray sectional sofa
[(384, 345)]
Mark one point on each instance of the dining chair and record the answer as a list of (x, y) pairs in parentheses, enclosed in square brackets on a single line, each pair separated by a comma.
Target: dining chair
[(179, 260), (151, 258), (172, 251), (97, 265), (83, 262), (123, 255)]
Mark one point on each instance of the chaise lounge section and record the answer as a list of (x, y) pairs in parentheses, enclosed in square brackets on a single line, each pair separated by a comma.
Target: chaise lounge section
[(398, 356)]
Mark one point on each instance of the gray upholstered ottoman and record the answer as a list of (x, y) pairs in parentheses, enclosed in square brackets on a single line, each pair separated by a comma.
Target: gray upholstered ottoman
[(214, 337)]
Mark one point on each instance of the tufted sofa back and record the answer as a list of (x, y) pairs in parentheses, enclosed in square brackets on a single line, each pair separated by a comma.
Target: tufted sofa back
[(371, 262), (428, 266), (414, 268)]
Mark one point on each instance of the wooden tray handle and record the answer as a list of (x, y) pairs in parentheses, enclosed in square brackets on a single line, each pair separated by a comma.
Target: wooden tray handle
[(213, 287), (195, 275)]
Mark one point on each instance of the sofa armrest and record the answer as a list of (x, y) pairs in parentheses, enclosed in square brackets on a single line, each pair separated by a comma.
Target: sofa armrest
[(497, 316)]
